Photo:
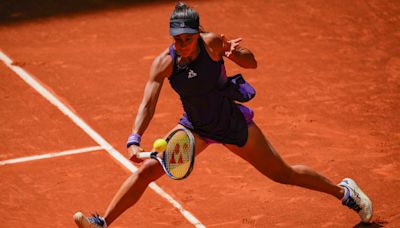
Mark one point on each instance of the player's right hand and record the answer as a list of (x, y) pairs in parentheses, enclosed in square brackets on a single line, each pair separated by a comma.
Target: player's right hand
[(133, 152)]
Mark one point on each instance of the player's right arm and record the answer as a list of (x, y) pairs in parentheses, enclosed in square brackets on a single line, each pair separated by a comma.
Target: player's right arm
[(159, 70)]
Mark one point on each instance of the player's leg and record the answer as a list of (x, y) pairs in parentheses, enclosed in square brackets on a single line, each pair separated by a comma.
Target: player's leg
[(135, 185), (261, 154), (128, 194)]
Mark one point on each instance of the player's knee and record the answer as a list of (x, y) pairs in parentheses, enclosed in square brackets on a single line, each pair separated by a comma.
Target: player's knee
[(285, 177), (149, 171)]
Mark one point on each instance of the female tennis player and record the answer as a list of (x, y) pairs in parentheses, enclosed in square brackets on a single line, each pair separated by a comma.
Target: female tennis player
[(194, 66)]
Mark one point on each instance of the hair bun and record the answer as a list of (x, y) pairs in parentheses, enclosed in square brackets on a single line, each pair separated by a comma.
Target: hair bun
[(181, 6)]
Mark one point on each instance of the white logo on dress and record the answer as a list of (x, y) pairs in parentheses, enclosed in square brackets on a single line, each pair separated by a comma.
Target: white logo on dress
[(192, 74)]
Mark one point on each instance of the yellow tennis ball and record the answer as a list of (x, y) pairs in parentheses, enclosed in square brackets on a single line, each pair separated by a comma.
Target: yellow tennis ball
[(160, 145)]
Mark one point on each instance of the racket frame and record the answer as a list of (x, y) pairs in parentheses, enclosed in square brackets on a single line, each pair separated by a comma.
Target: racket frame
[(162, 161)]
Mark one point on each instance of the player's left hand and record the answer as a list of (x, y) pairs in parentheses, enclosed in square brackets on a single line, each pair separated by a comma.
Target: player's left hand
[(230, 46)]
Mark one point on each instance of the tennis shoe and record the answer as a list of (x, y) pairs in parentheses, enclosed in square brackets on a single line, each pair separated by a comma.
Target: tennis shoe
[(93, 222), (356, 199)]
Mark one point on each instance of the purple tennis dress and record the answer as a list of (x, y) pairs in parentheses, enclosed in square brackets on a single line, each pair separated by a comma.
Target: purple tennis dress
[(208, 112)]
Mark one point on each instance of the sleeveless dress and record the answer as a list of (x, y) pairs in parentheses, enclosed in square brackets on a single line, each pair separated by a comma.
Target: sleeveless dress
[(208, 112)]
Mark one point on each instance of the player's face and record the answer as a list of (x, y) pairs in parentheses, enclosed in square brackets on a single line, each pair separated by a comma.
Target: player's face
[(185, 44)]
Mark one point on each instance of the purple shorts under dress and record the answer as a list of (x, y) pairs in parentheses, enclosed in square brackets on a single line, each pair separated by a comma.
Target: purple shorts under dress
[(248, 115)]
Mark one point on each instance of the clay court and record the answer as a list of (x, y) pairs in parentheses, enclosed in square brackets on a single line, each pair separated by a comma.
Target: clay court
[(328, 95)]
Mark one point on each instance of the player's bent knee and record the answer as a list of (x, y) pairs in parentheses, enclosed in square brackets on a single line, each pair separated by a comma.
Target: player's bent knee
[(284, 177), (150, 171)]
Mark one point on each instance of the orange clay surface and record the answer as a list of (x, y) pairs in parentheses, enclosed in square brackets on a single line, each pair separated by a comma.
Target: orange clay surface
[(328, 94)]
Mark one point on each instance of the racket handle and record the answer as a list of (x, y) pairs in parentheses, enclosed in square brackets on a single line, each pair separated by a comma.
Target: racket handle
[(144, 155)]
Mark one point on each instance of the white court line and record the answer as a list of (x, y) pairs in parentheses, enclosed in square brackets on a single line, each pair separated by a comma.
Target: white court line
[(93, 134), (50, 155)]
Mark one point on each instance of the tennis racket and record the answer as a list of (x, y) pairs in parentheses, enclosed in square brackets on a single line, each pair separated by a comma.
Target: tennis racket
[(178, 158)]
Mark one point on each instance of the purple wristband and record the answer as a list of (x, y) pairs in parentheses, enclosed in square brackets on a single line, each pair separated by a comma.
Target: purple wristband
[(133, 139)]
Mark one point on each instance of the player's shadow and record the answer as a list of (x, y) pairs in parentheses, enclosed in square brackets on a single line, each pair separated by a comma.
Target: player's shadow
[(12, 11), (374, 224)]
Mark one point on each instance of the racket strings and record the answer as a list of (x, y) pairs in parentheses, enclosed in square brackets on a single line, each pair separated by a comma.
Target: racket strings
[(178, 155)]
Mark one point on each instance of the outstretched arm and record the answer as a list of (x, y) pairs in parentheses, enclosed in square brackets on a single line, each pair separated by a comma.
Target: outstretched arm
[(149, 102), (158, 71)]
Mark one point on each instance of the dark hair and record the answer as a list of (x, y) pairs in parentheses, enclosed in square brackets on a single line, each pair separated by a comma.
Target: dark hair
[(183, 11)]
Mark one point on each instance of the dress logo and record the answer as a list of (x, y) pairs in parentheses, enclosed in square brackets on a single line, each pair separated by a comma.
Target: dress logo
[(192, 74)]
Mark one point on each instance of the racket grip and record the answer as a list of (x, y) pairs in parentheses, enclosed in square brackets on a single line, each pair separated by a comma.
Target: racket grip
[(144, 155)]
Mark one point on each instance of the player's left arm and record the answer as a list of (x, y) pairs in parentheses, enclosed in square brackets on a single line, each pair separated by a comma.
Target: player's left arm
[(238, 54), (218, 47)]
